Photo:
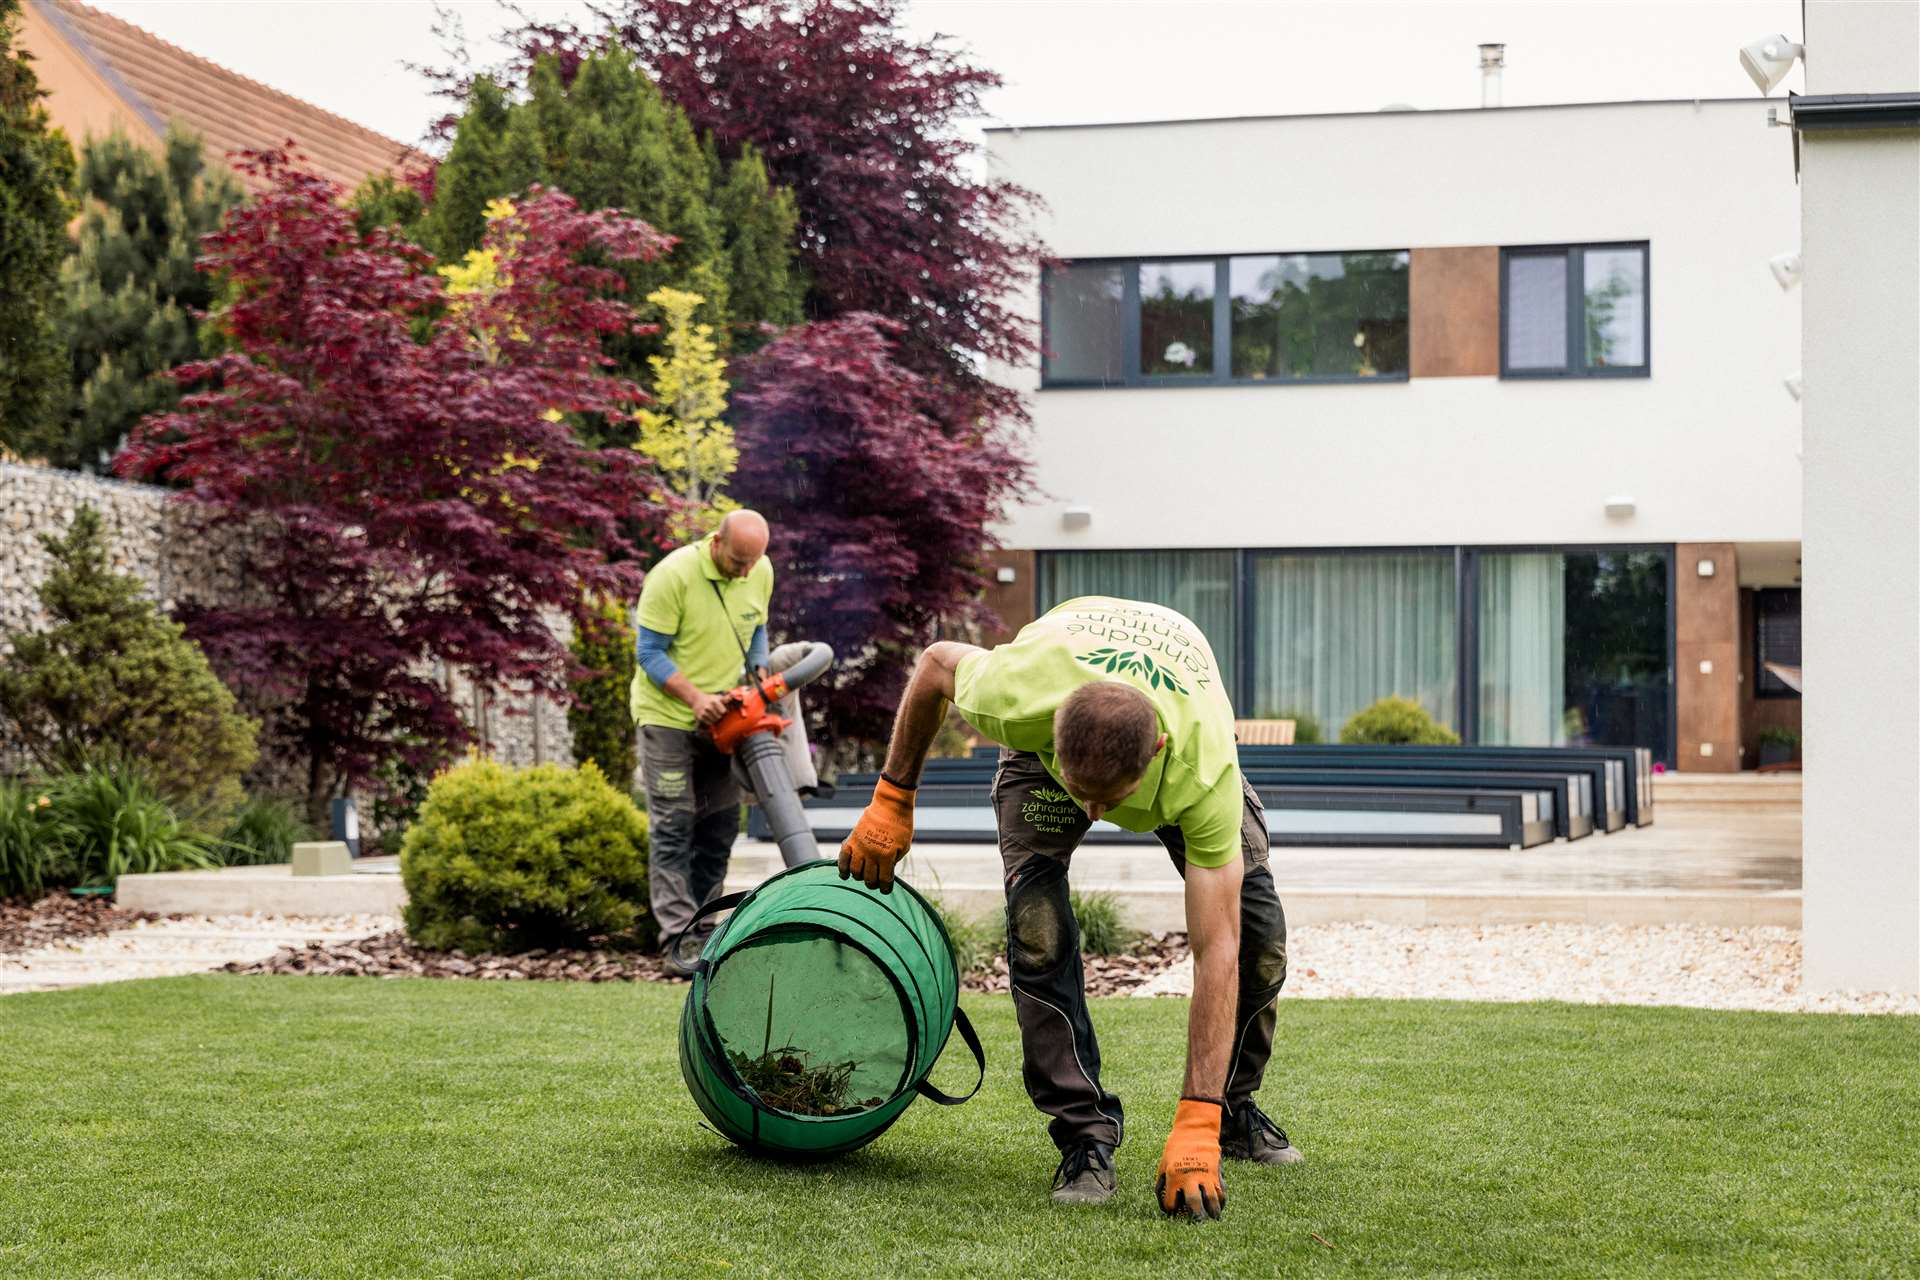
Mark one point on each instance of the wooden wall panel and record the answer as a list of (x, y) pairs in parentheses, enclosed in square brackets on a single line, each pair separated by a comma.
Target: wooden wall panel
[(1707, 629), (1453, 312), (1012, 601)]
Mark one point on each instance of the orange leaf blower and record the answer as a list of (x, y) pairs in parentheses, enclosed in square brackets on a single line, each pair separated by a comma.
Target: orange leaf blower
[(749, 732)]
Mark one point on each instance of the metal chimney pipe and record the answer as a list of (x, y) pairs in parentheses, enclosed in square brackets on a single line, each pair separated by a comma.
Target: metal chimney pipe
[(1493, 59)]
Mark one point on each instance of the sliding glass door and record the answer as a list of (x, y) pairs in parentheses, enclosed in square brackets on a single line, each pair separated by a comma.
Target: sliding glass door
[(1333, 633), (1563, 646), (1197, 583), (1574, 648)]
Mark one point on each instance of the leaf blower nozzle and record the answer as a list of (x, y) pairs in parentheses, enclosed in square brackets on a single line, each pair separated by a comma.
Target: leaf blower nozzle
[(749, 732)]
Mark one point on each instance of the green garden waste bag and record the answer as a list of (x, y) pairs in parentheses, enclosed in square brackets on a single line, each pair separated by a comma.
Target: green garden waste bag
[(817, 1009)]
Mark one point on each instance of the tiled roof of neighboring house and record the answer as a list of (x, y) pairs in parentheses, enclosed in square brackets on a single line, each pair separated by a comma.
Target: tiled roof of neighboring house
[(163, 82)]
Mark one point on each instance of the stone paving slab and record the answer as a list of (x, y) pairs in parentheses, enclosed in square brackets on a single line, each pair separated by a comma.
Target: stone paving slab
[(163, 948)]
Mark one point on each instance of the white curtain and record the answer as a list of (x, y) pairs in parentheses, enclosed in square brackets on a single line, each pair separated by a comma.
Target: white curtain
[(1523, 659), (1197, 583), (1334, 633)]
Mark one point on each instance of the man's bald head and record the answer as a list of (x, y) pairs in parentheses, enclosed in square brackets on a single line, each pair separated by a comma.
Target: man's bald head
[(740, 542)]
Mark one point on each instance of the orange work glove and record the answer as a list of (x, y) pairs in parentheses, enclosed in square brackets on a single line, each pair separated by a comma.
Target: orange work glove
[(881, 837), (1189, 1180)]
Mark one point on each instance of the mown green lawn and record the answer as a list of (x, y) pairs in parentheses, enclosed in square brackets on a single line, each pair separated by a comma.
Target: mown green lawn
[(328, 1127)]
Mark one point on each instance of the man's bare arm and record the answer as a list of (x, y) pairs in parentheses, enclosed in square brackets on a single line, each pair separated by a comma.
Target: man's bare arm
[(922, 709), (1213, 928)]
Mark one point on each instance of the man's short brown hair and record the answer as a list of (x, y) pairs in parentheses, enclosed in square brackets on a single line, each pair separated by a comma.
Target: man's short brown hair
[(1105, 734)]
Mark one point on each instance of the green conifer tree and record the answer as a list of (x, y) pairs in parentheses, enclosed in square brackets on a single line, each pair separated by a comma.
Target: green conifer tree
[(610, 139), (130, 287), (112, 676), (36, 166)]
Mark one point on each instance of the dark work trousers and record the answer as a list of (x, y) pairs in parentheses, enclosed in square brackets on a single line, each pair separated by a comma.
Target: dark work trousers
[(693, 816), (1040, 827)]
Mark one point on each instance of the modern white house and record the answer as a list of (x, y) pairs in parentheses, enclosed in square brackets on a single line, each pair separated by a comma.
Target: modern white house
[(1488, 408)]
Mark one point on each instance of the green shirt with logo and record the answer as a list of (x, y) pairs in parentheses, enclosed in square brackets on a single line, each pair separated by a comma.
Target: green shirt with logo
[(711, 618), (1011, 692)]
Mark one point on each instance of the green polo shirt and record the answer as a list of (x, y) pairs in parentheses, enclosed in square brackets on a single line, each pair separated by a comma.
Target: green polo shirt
[(1011, 692), (711, 618)]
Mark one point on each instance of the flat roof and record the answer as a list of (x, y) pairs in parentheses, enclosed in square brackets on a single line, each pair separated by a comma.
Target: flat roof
[(1395, 112)]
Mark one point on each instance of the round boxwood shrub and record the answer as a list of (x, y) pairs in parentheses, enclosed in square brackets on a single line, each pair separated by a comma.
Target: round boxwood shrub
[(507, 859), (1398, 720)]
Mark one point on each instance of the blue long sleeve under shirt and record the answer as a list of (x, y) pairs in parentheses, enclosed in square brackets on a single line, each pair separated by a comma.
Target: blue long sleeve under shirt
[(650, 648)]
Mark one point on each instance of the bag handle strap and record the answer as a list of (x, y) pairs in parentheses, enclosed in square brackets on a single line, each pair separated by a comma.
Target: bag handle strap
[(972, 1037), (726, 902)]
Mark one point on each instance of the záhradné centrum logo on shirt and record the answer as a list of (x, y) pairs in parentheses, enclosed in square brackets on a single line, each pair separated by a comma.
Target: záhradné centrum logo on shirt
[(1135, 663)]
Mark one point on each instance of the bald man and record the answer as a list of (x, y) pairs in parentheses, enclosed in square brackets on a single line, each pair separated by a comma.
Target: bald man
[(702, 623)]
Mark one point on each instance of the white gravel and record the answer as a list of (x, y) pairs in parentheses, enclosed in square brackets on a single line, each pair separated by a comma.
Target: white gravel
[(184, 944), (1698, 966)]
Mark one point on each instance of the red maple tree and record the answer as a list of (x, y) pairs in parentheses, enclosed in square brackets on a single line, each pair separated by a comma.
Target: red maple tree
[(399, 467), (864, 125), (876, 512)]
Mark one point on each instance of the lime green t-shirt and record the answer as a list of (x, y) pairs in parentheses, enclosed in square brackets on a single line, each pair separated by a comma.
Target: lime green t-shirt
[(1010, 694), (710, 629)]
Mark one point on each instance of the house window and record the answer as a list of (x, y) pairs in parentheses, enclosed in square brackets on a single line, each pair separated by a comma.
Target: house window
[(1176, 319), (1257, 318), (1319, 315), (1085, 325), (1776, 621), (1574, 312)]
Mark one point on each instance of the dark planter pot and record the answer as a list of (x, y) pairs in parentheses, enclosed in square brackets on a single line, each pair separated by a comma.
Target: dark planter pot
[(1775, 753)]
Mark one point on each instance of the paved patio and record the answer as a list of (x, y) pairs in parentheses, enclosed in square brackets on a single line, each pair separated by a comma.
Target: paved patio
[(1721, 851)]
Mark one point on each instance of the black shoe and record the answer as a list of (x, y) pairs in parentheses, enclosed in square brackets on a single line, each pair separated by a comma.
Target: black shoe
[(1085, 1175), (1246, 1133)]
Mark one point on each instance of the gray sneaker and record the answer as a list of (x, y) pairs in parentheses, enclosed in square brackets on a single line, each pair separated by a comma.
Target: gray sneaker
[(1246, 1133), (1085, 1175)]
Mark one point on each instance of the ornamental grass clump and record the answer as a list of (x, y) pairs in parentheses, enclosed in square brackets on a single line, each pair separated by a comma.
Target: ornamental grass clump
[(513, 859)]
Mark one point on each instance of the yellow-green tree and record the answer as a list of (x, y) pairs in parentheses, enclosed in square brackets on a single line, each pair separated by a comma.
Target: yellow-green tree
[(683, 433)]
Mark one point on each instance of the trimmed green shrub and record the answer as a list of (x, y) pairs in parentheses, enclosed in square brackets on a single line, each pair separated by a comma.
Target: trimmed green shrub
[(1398, 720), (108, 821), (264, 832), (600, 718), (27, 855), (1306, 727), (1103, 923), (112, 678), (512, 859), (1779, 738)]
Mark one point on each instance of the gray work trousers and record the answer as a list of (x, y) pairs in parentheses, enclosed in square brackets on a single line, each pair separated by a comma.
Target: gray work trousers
[(1040, 827)]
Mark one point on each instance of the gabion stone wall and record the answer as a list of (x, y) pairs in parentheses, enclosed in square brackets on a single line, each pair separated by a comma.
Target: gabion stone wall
[(157, 541)]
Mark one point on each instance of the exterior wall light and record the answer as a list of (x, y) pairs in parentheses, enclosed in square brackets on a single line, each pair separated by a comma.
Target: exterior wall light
[(1786, 269), (1620, 507), (1768, 59), (1076, 517), (1005, 573)]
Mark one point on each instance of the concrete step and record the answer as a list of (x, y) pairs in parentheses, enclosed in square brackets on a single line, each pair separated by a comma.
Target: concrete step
[(1681, 790)]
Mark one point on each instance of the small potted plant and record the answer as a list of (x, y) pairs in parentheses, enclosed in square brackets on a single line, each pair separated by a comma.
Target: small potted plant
[(1778, 746)]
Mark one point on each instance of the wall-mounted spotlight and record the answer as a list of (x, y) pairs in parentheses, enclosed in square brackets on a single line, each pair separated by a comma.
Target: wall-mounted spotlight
[(1076, 517), (1620, 507), (1768, 59), (1785, 268), (1795, 386)]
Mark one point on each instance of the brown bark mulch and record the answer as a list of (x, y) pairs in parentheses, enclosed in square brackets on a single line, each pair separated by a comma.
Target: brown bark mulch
[(60, 917), (391, 955), (1105, 975)]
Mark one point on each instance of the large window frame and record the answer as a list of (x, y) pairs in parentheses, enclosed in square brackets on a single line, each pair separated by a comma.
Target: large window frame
[(1466, 571), (1576, 299), (1221, 374), (1768, 687)]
